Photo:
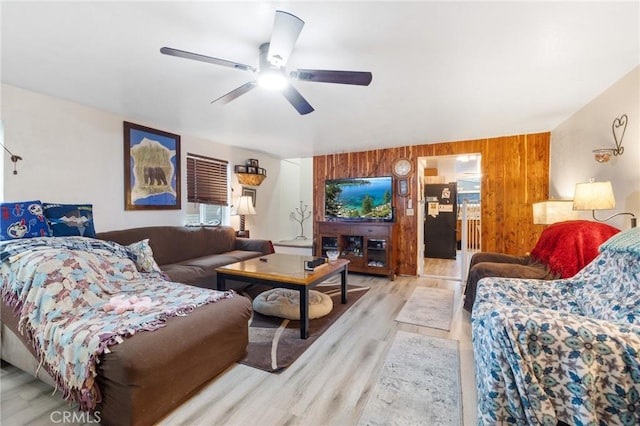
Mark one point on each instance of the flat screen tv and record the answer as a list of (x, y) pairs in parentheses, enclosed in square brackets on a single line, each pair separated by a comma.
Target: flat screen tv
[(365, 199)]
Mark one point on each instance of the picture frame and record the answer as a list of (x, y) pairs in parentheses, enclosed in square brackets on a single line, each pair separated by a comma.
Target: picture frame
[(262, 171), (252, 170), (151, 168), (251, 192), (241, 169), (252, 162)]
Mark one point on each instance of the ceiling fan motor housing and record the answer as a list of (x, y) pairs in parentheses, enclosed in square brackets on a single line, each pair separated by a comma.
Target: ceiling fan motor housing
[(270, 76)]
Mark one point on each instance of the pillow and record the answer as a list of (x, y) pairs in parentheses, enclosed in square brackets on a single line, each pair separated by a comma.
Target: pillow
[(144, 256), (67, 220), (22, 219)]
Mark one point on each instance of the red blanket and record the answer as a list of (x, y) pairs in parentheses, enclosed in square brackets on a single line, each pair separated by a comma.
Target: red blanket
[(567, 247)]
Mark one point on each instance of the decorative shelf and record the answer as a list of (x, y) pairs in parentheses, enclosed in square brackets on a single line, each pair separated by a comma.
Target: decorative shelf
[(251, 174), (251, 179)]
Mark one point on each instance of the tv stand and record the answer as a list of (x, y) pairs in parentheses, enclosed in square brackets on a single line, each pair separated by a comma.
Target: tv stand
[(367, 245)]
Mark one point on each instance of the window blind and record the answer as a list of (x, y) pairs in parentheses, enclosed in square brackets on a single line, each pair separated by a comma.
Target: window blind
[(207, 180)]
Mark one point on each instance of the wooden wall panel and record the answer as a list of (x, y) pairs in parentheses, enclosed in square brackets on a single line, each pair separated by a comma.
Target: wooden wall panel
[(515, 174)]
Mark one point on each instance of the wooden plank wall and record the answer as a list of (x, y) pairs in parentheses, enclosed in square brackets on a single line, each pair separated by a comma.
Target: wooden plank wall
[(515, 174)]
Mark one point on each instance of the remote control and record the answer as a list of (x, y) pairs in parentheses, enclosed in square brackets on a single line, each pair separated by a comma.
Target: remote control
[(309, 265)]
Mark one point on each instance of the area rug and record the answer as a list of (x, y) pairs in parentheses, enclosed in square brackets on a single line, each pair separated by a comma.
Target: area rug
[(428, 307), (419, 384), (275, 343)]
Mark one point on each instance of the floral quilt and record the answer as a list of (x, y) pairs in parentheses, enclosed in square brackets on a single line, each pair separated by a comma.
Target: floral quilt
[(58, 288), (563, 350)]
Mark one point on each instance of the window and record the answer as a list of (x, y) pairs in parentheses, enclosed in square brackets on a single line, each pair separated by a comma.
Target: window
[(207, 189)]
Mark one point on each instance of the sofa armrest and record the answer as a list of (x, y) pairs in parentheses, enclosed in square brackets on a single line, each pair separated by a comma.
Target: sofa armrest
[(263, 246)]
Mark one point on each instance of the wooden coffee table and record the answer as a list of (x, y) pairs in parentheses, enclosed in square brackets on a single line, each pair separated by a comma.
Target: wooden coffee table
[(286, 271)]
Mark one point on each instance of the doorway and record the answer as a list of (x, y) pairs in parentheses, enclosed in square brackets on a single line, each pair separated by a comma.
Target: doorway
[(462, 174)]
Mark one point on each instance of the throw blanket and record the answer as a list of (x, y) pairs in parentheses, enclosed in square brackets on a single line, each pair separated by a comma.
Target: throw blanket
[(562, 350), (567, 247), (58, 287)]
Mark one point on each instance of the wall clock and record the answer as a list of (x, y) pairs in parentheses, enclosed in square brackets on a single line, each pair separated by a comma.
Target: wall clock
[(402, 168)]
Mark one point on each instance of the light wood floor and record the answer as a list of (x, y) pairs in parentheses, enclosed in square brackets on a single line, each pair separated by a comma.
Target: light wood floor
[(328, 385)]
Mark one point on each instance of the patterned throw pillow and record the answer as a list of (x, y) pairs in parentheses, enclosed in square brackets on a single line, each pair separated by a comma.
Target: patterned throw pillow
[(144, 256), (67, 220), (23, 219)]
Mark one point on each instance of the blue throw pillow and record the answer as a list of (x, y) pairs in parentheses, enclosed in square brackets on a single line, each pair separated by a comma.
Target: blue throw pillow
[(67, 220), (22, 219)]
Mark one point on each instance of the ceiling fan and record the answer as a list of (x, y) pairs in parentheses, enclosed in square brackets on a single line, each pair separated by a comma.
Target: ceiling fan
[(272, 61)]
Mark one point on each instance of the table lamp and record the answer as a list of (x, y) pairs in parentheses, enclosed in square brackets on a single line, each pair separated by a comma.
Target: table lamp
[(553, 211), (245, 207)]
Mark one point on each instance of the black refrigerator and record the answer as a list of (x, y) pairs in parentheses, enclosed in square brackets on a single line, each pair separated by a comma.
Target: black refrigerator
[(440, 220)]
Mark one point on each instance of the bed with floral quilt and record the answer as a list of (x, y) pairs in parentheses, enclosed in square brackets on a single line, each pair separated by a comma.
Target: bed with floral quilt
[(131, 364), (562, 351)]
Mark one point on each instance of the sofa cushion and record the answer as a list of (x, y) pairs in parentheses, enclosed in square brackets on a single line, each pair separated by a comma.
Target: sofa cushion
[(202, 270), (220, 239), (182, 273), (67, 220), (240, 255), (22, 219), (211, 262)]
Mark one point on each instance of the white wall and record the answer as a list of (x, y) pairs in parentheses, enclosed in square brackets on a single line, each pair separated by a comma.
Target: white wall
[(295, 186), (571, 159), (74, 154)]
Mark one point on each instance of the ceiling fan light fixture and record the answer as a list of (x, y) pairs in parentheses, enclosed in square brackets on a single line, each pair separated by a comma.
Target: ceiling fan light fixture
[(272, 64), (272, 80)]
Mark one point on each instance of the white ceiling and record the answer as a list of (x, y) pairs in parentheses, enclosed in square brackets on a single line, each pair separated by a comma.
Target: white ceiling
[(442, 71)]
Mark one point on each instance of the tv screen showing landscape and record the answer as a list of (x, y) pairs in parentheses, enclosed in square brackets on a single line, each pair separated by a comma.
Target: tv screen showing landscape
[(359, 199)]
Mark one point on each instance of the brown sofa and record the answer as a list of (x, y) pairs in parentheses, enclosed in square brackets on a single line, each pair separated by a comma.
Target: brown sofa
[(151, 373), (190, 255)]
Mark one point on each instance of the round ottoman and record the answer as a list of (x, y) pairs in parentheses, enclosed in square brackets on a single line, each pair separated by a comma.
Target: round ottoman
[(285, 303)]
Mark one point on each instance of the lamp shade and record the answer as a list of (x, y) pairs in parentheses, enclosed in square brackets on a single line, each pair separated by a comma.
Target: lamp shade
[(553, 211), (245, 206), (593, 196)]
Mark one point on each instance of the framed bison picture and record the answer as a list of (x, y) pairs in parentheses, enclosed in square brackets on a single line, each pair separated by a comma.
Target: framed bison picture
[(151, 169)]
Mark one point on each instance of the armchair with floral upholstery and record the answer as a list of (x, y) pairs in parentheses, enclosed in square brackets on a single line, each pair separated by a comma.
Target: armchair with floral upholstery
[(563, 351)]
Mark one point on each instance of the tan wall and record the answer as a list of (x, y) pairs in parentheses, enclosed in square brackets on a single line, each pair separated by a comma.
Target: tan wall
[(515, 174), (590, 128)]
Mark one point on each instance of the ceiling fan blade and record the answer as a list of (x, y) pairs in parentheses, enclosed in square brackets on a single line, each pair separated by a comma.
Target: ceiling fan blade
[(225, 99), (285, 32), (360, 78), (203, 58), (295, 98)]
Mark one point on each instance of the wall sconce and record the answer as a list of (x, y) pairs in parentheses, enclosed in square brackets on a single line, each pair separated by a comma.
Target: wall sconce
[(597, 196), (618, 127), (553, 211), (14, 158)]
